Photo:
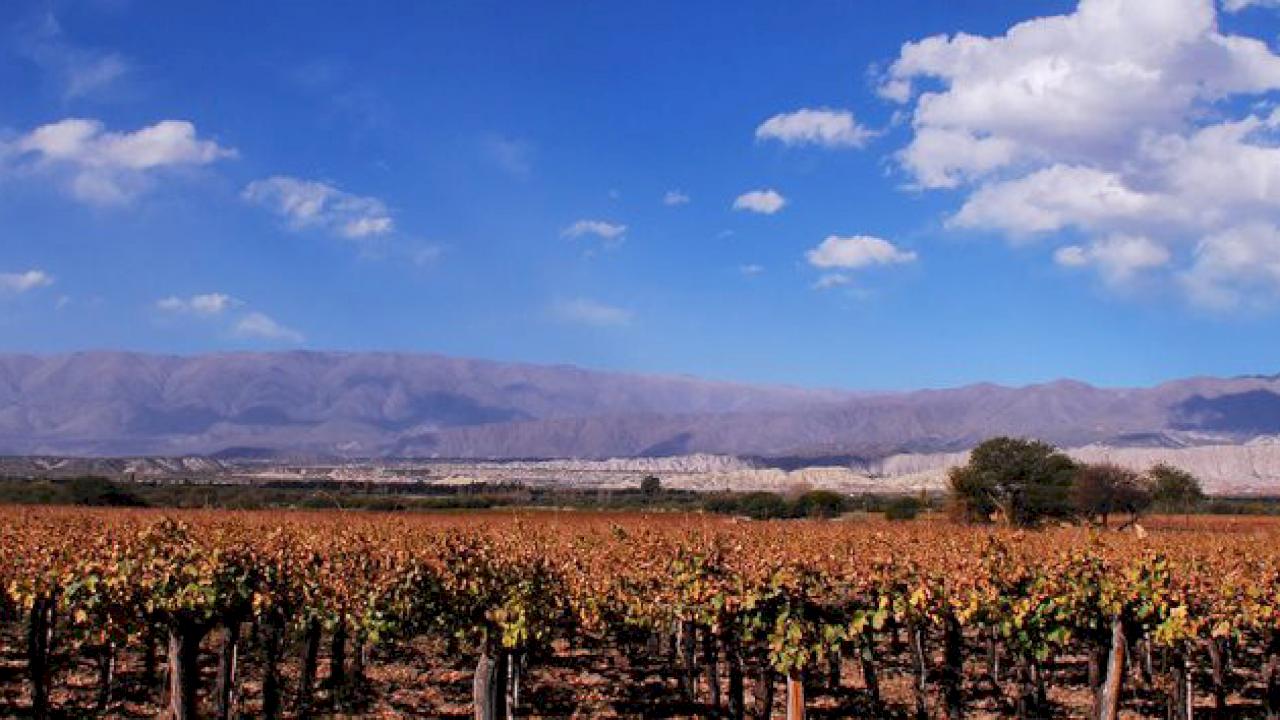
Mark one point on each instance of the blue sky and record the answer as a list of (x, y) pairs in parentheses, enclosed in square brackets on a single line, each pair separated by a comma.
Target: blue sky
[(937, 199)]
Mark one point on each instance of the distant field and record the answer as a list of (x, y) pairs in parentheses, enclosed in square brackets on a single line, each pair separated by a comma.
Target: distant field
[(582, 614)]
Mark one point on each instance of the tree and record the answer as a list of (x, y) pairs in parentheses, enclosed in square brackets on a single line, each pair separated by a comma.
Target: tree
[(1174, 488), (906, 507), (650, 485), (1015, 480), (821, 504), (1102, 489)]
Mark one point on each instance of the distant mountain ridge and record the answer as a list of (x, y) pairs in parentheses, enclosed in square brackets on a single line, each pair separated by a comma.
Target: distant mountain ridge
[(417, 405)]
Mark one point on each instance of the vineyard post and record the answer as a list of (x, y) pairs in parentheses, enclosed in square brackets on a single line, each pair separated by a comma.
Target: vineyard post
[(795, 695), (184, 672), (915, 633), (710, 661), (834, 669), (1108, 699), (228, 655), (489, 692), (1181, 694)]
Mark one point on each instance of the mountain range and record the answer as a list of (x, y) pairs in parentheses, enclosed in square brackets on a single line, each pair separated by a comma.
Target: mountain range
[(357, 404)]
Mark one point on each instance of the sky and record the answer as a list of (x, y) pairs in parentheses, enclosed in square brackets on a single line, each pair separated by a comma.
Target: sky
[(848, 194)]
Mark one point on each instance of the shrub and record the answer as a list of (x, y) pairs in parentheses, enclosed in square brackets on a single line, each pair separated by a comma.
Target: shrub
[(906, 507)]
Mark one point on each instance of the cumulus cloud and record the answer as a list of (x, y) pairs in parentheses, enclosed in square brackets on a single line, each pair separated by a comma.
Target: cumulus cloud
[(765, 202), (110, 168), (675, 197), (24, 281), (310, 204), (1119, 122), (259, 326), (1118, 257), (857, 251), (207, 304), (823, 126), (585, 311)]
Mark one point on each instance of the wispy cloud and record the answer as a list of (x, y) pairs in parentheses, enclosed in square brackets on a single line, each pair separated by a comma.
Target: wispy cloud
[(511, 155), (675, 197), (750, 269), (310, 204), (259, 326), (21, 282), (585, 311), (823, 127), (207, 304), (610, 235), (80, 71), (765, 202)]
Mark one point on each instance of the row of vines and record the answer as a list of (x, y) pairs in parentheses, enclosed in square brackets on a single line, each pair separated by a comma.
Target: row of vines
[(740, 612)]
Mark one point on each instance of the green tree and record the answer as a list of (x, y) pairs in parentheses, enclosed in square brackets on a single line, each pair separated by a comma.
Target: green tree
[(650, 485), (1103, 489), (1013, 480), (906, 507), (1174, 489)]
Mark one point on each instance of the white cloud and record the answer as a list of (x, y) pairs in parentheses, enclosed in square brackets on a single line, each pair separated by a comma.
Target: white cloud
[(823, 126), (675, 197), (585, 311), (258, 326), (766, 202), (832, 280), (1119, 121), (607, 231), (1238, 5), (24, 281), (310, 204), (111, 168), (1118, 257), (207, 304), (751, 269), (857, 251)]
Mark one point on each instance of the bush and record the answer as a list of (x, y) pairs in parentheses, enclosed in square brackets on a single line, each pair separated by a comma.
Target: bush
[(99, 491), (906, 507)]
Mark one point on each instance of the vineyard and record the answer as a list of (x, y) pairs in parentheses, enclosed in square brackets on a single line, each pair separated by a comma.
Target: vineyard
[(268, 615)]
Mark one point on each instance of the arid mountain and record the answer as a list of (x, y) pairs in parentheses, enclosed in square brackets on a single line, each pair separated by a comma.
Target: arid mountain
[(380, 404)]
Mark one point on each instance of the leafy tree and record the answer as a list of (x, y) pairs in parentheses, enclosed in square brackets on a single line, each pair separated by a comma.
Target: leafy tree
[(1013, 480), (821, 504), (1103, 489), (651, 485), (1174, 488), (906, 507)]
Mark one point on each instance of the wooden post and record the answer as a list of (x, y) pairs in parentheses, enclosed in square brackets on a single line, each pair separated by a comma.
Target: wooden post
[(1109, 696), (489, 692), (184, 672), (1271, 675), (795, 696), (227, 658), (953, 670)]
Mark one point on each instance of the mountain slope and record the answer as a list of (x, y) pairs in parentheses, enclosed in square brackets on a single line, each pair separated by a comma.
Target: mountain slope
[(369, 404)]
